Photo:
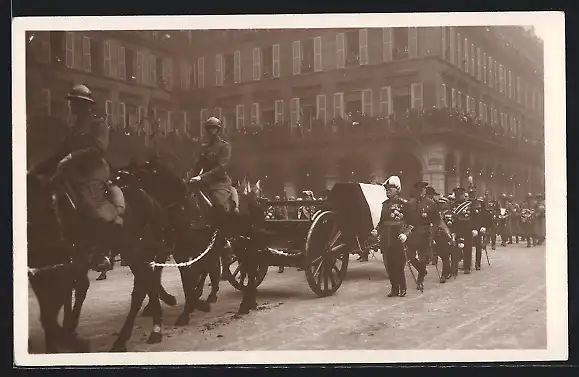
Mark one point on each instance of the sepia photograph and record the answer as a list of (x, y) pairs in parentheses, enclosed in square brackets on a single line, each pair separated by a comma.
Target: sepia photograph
[(321, 183)]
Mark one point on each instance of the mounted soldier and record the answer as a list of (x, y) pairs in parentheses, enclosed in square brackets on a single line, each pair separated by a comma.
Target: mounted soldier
[(80, 169), (210, 171)]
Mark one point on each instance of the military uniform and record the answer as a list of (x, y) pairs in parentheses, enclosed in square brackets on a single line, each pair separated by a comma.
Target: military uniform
[(443, 243), (420, 213), (540, 219), (490, 208), (465, 226), (391, 225), (213, 160), (501, 220), (527, 219), (514, 220)]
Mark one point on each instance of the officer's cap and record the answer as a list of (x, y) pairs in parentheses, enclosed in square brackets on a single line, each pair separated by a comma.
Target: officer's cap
[(393, 181), (420, 185), (431, 191)]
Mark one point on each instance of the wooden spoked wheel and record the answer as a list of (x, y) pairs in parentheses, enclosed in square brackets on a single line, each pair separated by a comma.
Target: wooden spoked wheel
[(237, 275), (326, 255)]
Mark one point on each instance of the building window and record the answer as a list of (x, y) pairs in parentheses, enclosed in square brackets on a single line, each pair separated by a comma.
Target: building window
[(297, 57), (416, 95), (443, 96), (478, 65), (168, 73), (185, 76), (256, 63), (485, 68), (363, 46), (86, 56), (122, 66), (321, 107), (459, 57), (491, 73), (367, 102), (217, 113), (109, 113), (201, 73), (254, 115), (267, 62), (386, 101), (468, 105), (459, 100), (401, 39), (519, 89), (472, 60), (452, 42), (121, 120), (278, 109), (318, 54), (239, 116), (69, 49), (294, 112), (501, 88), (387, 37), (139, 68), (352, 40), (151, 68), (276, 67), (412, 42), (510, 84), (466, 61), (237, 67), (453, 98), (108, 59), (340, 51), (473, 107), (338, 105), (218, 69)]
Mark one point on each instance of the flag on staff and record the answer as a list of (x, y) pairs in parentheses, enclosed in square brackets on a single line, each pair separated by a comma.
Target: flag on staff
[(358, 205)]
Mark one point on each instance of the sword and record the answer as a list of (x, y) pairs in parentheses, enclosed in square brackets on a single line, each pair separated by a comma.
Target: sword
[(409, 264)]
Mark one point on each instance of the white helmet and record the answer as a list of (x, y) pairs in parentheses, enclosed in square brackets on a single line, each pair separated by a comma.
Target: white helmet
[(393, 181)]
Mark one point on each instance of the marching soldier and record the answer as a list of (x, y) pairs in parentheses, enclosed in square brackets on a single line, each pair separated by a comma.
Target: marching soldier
[(393, 233), (432, 194), (514, 220), (527, 219), (443, 242), (502, 220), (465, 226), (79, 167), (540, 219), (420, 213), (490, 208), (477, 211)]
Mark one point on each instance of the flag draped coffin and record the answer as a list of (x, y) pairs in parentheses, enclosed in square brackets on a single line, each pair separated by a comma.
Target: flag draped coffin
[(358, 206)]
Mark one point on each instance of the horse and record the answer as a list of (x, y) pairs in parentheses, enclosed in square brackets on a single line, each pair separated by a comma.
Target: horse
[(56, 266)]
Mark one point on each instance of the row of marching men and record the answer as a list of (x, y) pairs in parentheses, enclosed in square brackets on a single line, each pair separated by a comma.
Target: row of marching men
[(429, 226)]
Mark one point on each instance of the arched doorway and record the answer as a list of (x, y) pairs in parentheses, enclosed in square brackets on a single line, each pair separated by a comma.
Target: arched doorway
[(406, 166)]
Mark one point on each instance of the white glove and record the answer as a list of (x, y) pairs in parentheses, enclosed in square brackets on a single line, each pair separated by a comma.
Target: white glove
[(195, 179), (483, 229), (474, 233), (374, 233), (402, 237), (461, 245)]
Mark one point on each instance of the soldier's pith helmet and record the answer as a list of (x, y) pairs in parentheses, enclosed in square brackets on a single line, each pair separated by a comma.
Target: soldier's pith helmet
[(212, 122), (81, 92)]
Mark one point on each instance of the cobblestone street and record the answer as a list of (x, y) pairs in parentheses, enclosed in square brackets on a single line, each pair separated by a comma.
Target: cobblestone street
[(503, 306)]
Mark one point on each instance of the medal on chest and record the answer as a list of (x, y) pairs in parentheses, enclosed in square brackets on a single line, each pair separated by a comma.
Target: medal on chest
[(396, 212)]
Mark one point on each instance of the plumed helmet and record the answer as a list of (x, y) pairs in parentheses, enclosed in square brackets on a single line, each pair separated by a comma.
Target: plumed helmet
[(212, 122), (82, 92), (393, 181)]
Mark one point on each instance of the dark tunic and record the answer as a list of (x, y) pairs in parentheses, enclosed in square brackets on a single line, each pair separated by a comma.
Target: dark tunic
[(213, 160)]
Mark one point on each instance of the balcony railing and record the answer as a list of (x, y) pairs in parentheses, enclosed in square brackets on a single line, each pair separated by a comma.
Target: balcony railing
[(452, 124)]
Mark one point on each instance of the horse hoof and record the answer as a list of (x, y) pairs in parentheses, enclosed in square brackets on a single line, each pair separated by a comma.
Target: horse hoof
[(147, 311), (169, 300), (155, 337), (203, 306), (211, 299), (182, 320), (119, 348)]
